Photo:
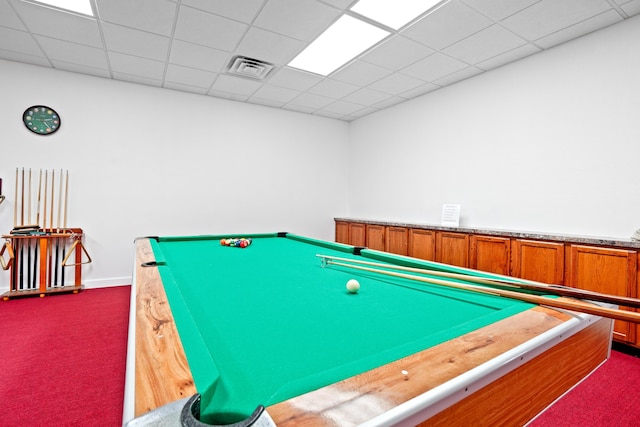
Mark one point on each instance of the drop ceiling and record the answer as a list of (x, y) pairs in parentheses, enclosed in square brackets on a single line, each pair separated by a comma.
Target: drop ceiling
[(188, 45)]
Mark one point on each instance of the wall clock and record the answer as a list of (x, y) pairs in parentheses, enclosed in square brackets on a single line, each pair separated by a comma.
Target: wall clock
[(41, 119)]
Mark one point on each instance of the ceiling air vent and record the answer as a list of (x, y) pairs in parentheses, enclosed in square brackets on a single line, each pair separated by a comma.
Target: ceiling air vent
[(250, 68)]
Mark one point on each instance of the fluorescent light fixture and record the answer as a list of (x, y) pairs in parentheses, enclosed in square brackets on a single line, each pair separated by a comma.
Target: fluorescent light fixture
[(341, 42), (393, 14), (78, 6)]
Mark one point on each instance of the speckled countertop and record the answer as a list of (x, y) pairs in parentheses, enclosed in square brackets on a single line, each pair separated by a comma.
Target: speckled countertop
[(586, 240)]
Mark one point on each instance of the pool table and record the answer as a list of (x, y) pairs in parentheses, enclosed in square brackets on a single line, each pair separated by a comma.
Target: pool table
[(267, 333)]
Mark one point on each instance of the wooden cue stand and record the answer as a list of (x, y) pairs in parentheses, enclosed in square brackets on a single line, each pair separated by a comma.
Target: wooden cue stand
[(46, 244)]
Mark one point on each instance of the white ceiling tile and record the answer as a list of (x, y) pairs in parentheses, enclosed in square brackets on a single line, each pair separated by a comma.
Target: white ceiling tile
[(8, 18), (447, 25), (333, 89), (82, 69), (65, 51), (26, 59), (499, 9), (266, 102), (548, 16), (60, 25), (136, 66), (237, 85), (276, 93), (458, 76), (394, 100), (185, 88), (299, 108), (584, 27), (420, 90), (342, 107), (631, 8), (396, 52), (507, 57), (228, 95), (196, 56), (490, 42), (340, 4), (299, 19), (131, 78), (366, 96), (396, 84), (19, 42), (294, 79), (328, 114), (434, 67), (310, 100), (189, 76), (268, 46), (156, 16), (361, 73), (241, 10), (363, 112), (134, 42), (208, 30)]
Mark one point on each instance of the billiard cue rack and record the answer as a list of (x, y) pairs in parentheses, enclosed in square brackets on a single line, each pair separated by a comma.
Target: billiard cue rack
[(38, 253), (38, 262)]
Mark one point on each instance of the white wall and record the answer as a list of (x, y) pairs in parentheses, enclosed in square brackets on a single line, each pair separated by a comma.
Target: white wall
[(149, 161), (550, 143)]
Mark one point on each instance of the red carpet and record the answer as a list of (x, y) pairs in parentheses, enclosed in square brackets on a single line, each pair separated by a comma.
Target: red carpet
[(62, 359), (609, 397), (62, 363)]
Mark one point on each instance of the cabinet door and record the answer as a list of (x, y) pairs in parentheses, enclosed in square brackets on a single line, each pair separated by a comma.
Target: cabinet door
[(357, 234), (375, 237), (490, 254), (422, 244), (610, 271), (539, 261), (342, 232), (452, 248), (397, 240)]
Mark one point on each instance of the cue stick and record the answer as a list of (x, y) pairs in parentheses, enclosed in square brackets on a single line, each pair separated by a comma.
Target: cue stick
[(64, 223), (574, 305), (37, 249), (55, 265), (22, 201), (29, 242), (39, 194), (15, 206), (29, 199), (50, 258), (529, 285), (44, 205)]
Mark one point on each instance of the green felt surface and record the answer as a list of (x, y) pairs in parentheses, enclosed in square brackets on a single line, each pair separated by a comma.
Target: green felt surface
[(266, 323)]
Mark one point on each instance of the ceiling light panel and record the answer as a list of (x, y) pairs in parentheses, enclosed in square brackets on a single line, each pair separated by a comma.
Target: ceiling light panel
[(394, 14), (78, 6), (344, 40)]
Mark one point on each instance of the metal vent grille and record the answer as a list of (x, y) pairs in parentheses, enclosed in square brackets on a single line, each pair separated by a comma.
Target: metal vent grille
[(250, 68)]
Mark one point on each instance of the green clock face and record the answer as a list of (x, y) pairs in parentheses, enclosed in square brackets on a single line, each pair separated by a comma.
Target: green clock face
[(41, 120)]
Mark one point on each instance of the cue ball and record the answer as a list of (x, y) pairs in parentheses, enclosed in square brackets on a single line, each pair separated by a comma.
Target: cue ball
[(353, 286)]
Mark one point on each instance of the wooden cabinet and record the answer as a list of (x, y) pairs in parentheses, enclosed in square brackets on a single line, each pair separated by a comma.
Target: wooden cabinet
[(452, 248), (611, 270), (342, 232), (375, 237), (357, 234), (396, 240), (539, 261), (490, 254), (422, 244), (606, 270)]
